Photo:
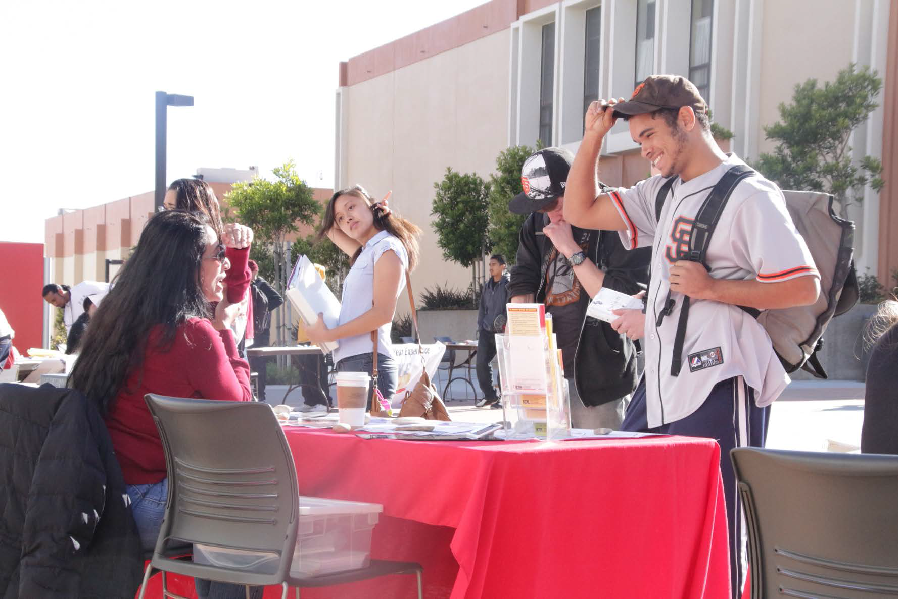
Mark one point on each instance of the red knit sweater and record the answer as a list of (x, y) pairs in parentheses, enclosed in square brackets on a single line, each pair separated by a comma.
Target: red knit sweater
[(202, 363)]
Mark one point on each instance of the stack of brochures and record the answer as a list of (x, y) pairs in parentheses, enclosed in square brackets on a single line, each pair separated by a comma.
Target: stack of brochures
[(310, 297)]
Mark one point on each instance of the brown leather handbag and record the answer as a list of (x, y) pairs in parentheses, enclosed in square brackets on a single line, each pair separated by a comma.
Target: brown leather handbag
[(424, 400)]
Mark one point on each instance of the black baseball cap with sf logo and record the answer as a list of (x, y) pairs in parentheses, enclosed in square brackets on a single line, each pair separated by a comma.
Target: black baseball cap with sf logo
[(543, 178)]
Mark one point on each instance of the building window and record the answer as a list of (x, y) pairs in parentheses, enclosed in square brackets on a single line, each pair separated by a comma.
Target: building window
[(546, 83), (645, 39), (700, 46), (591, 61)]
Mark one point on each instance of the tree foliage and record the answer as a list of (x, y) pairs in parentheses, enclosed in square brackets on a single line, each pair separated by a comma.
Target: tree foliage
[(504, 184), (813, 134), (272, 209), (462, 218)]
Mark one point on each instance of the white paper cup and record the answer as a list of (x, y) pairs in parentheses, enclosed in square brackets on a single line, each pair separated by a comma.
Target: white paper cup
[(352, 397)]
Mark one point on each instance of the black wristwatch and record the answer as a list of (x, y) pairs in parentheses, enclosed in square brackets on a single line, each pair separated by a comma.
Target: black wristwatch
[(578, 258)]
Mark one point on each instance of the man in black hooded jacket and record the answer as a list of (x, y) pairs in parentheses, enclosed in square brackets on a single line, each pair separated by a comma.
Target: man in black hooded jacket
[(563, 266)]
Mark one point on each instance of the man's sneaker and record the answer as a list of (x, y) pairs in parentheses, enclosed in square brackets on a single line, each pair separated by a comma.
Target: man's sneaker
[(486, 401), (315, 408), (496, 405)]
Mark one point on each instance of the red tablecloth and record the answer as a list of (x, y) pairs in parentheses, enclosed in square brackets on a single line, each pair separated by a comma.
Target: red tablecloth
[(608, 518)]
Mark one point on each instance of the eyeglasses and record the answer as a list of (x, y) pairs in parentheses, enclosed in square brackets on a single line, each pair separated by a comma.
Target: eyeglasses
[(219, 254)]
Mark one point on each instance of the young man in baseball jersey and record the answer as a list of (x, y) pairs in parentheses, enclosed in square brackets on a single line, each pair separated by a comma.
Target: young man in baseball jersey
[(755, 259)]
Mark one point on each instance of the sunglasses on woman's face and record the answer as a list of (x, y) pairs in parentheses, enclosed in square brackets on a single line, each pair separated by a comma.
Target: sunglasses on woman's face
[(219, 254)]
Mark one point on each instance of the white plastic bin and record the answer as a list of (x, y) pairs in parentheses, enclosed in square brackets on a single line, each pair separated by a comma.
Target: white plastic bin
[(333, 536)]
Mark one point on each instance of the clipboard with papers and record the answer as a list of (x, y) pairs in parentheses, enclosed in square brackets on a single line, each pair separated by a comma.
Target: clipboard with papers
[(309, 296)]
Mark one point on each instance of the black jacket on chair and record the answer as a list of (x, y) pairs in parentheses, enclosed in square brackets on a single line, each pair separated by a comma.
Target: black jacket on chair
[(66, 528)]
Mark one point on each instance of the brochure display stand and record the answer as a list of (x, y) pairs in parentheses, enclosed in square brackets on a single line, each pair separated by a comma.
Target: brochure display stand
[(535, 397)]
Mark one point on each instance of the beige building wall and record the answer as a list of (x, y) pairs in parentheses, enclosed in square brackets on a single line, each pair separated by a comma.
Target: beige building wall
[(401, 131), (802, 39)]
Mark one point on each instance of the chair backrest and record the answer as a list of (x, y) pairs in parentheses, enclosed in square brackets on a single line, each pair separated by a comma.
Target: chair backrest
[(820, 524), (231, 479)]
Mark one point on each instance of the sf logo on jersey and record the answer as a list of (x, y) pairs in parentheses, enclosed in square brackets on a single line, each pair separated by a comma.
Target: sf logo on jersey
[(680, 235)]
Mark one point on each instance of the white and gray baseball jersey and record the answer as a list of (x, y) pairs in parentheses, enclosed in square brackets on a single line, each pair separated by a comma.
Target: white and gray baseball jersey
[(754, 239)]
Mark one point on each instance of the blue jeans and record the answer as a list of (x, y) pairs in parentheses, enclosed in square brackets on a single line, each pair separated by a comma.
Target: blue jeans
[(5, 348), (387, 373), (148, 509)]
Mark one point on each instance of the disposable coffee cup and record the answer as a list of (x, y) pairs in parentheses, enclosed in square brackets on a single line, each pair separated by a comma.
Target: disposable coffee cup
[(352, 397)]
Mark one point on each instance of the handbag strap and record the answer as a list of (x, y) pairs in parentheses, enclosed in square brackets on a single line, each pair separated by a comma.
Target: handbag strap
[(411, 301)]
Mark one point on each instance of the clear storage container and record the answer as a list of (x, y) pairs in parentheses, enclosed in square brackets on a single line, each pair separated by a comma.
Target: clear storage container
[(333, 536)]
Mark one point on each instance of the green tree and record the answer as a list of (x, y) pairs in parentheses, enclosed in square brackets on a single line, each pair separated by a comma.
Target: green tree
[(461, 208), (273, 209), (812, 151), (505, 183)]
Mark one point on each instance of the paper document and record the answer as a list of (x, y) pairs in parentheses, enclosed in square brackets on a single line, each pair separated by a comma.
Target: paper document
[(310, 296), (606, 300), (527, 345)]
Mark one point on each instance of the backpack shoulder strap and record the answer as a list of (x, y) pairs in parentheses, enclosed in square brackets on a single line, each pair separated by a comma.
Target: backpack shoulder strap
[(662, 195), (702, 229)]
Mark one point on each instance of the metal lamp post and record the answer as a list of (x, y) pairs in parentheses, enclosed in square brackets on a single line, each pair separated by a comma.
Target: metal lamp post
[(163, 101)]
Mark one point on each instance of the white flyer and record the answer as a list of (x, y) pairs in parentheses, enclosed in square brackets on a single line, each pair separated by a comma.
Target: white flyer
[(607, 300)]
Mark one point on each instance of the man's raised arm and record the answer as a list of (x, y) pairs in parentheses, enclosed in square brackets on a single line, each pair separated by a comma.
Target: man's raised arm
[(584, 205)]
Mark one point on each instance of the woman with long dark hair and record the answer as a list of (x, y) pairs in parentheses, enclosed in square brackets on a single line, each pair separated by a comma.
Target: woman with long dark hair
[(382, 246), (156, 333)]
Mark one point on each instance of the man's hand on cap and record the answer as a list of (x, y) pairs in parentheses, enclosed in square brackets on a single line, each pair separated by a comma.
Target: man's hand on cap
[(600, 116)]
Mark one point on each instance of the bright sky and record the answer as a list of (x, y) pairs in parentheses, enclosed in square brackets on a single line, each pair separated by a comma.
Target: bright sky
[(78, 83)]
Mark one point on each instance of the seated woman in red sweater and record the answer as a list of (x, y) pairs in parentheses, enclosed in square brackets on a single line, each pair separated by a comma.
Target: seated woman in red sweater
[(156, 333)]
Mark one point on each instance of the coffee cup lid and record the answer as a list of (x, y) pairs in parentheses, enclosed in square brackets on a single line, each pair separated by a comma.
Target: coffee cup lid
[(349, 376)]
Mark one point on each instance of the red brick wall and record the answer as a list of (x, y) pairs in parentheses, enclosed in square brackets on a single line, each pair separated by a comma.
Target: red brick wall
[(21, 279)]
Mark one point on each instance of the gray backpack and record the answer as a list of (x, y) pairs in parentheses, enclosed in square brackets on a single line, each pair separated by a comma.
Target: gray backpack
[(797, 333)]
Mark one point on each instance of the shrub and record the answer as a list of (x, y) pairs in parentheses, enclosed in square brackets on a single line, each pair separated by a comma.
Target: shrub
[(402, 327), (447, 298)]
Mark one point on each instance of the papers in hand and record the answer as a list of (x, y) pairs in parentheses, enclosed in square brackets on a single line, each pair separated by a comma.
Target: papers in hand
[(607, 300), (310, 296)]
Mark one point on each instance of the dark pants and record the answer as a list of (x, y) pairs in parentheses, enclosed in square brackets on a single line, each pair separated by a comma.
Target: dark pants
[(313, 378), (387, 373), (730, 416), (486, 351), (259, 365), (5, 348)]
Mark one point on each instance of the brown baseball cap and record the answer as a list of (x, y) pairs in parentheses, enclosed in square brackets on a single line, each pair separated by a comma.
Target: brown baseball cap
[(661, 91)]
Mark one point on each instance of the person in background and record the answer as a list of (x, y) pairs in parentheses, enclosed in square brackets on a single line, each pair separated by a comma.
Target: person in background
[(563, 266), (312, 370), (880, 431), (383, 247), (172, 343), (7, 334), (195, 195), (265, 301), (490, 320), (73, 341), (71, 299)]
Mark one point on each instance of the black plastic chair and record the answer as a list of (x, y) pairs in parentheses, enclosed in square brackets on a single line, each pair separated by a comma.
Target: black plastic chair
[(232, 485), (820, 524)]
